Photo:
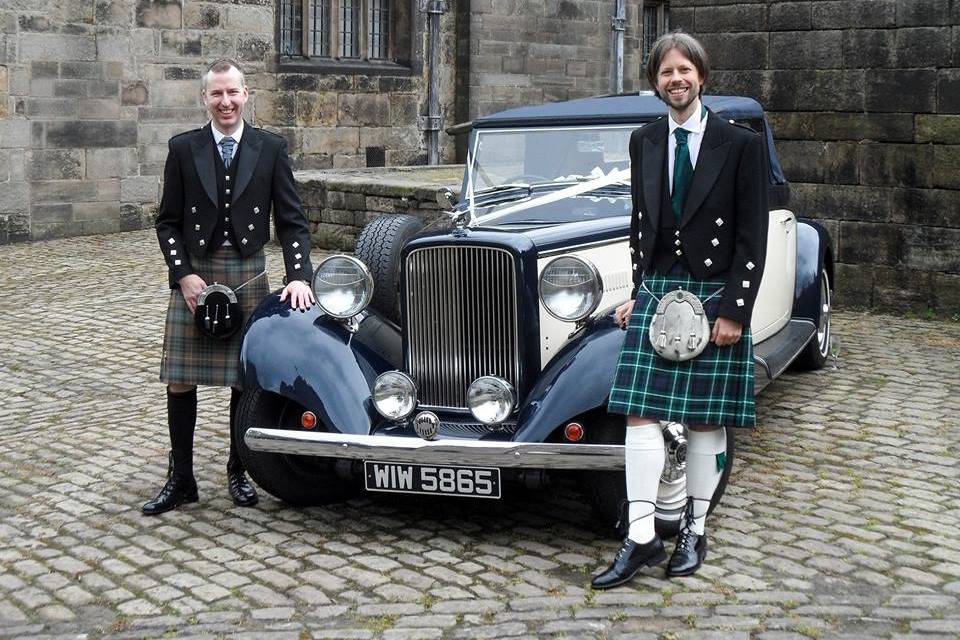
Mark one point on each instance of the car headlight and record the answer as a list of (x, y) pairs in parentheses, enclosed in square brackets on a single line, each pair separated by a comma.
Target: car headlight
[(394, 395), (491, 399), (343, 286), (570, 288)]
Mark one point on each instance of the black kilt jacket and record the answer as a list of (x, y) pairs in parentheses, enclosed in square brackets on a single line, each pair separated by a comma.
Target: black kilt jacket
[(263, 180), (723, 230)]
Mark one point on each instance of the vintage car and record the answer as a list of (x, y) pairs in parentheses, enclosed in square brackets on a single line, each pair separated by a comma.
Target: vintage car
[(476, 355)]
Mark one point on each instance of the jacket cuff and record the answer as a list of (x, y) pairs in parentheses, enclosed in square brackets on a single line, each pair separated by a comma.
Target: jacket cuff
[(733, 312), (178, 272)]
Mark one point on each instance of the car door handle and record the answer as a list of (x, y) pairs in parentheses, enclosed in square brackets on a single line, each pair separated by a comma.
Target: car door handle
[(787, 220)]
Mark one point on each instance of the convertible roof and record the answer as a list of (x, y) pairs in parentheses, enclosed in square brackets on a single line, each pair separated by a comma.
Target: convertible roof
[(619, 109)]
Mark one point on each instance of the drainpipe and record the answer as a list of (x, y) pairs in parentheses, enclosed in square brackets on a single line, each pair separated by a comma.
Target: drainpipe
[(618, 26), (431, 123)]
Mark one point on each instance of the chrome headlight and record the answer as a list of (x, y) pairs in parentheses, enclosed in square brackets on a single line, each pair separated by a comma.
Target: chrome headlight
[(570, 288), (394, 395), (343, 286), (491, 399)]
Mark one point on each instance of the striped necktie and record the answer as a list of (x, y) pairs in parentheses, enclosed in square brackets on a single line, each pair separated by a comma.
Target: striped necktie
[(227, 145)]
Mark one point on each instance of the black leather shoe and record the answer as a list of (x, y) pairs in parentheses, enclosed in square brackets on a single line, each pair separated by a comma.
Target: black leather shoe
[(242, 492), (628, 561), (689, 554), (178, 490)]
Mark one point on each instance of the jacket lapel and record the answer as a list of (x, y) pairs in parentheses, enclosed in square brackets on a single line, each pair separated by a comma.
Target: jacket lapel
[(203, 160), (713, 153), (654, 156), (249, 154)]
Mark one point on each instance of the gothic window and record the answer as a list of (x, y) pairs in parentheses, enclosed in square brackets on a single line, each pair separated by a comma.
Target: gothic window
[(341, 30), (656, 22)]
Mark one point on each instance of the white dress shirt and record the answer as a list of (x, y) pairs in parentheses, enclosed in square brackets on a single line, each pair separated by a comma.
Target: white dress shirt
[(695, 126), (217, 137)]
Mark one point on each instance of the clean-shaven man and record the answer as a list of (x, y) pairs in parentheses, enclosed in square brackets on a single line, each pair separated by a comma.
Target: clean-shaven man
[(220, 184), (699, 223)]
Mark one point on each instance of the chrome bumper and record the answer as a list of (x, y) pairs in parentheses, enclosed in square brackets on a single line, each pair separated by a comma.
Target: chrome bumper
[(599, 457)]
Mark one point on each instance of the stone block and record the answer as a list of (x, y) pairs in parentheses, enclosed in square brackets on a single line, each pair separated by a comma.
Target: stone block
[(99, 109), (946, 287), (331, 140), (91, 134), (869, 48), (833, 90), (931, 248), (750, 83), (37, 23), (47, 213), (948, 91), (19, 80), (785, 88), (904, 165), (134, 94), (87, 211), (814, 161), (939, 129), (51, 108), (731, 18), (159, 14), (276, 107), (334, 237), (43, 46), (806, 49), (181, 73), (181, 43), (63, 191), (362, 110), (932, 207), (110, 163), (70, 88), (349, 161), (738, 51), (249, 19), (55, 164), (44, 70), (81, 70), (946, 165), (316, 109), (391, 137), (14, 134), (854, 14), (54, 230), (870, 243), (119, 49), (879, 127), (836, 202), (253, 48), (923, 47), (910, 91), (217, 44), (923, 12), (174, 93), (14, 198), (201, 16), (404, 109), (298, 82), (114, 12), (789, 16), (854, 286)]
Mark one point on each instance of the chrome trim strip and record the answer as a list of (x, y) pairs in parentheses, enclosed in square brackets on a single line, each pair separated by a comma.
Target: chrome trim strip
[(579, 247), (481, 453)]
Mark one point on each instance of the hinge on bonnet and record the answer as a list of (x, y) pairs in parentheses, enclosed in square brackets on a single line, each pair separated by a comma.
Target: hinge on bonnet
[(430, 123)]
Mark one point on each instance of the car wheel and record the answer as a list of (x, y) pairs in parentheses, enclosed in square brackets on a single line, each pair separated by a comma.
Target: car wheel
[(814, 355), (608, 490), (297, 480), (379, 245)]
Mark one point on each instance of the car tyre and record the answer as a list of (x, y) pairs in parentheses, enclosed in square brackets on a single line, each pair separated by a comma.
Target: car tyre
[(607, 490), (814, 355), (297, 480), (378, 246)]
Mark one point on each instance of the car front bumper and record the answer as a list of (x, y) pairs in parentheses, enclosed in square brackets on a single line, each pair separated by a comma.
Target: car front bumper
[(478, 453)]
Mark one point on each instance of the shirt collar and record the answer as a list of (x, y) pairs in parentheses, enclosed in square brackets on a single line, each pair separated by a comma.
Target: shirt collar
[(218, 136), (693, 124)]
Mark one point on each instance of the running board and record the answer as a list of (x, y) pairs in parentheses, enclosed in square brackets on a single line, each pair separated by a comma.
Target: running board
[(775, 354)]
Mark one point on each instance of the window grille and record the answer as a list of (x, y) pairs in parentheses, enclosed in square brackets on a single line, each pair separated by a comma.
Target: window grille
[(656, 22), (320, 27), (379, 29), (349, 28), (291, 29)]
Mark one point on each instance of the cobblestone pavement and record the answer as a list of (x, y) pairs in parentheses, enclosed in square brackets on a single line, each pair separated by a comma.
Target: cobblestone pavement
[(841, 519)]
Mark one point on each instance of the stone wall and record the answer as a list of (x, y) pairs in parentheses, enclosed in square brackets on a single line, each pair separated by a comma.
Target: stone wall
[(531, 52), (90, 92), (340, 202), (864, 97)]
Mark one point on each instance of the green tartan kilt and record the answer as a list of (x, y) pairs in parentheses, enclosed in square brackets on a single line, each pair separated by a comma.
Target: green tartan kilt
[(189, 357), (715, 388)]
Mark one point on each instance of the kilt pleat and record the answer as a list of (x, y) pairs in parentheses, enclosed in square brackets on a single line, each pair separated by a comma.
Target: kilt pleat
[(189, 357), (715, 388)]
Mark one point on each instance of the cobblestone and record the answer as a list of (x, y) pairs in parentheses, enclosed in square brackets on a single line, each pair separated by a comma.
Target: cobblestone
[(840, 520)]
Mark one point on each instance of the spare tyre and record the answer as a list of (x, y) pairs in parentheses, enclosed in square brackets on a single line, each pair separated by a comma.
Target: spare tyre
[(379, 245)]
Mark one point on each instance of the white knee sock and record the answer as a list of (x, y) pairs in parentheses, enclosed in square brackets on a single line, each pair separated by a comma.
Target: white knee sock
[(644, 466), (703, 471)]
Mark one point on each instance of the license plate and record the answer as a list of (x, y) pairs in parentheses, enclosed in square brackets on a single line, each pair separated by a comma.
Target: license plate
[(473, 482)]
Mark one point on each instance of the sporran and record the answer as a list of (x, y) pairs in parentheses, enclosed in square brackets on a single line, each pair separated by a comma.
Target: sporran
[(679, 329)]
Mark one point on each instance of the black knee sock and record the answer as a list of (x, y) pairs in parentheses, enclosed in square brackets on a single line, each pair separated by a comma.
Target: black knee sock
[(182, 420), (233, 462)]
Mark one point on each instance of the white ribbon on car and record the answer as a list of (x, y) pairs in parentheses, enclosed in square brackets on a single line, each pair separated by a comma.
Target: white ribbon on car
[(615, 176)]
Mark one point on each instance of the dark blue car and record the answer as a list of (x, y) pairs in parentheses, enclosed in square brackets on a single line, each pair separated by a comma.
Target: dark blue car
[(476, 355)]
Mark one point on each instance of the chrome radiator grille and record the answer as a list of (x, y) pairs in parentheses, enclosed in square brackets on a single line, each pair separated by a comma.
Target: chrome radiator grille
[(461, 320)]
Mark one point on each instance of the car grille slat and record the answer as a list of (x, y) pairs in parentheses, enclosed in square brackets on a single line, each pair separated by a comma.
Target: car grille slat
[(461, 320)]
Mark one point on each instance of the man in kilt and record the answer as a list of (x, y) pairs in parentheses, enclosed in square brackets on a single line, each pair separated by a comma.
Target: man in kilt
[(220, 183), (699, 223)]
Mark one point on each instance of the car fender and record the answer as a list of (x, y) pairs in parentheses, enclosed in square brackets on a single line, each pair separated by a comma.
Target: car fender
[(575, 381), (316, 361), (813, 253)]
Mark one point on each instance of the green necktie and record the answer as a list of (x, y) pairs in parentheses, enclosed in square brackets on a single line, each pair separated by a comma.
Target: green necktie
[(682, 173)]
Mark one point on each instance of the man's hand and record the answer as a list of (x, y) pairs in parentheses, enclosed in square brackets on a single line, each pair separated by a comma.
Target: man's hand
[(623, 313), (300, 294), (190, 287), (725, 332)]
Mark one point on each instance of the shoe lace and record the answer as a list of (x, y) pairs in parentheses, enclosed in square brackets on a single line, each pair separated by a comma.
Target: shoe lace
[(687, 537), (623, 521)]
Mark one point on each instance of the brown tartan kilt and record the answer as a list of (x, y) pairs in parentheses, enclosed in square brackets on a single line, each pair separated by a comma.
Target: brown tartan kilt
[(189, 357)]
